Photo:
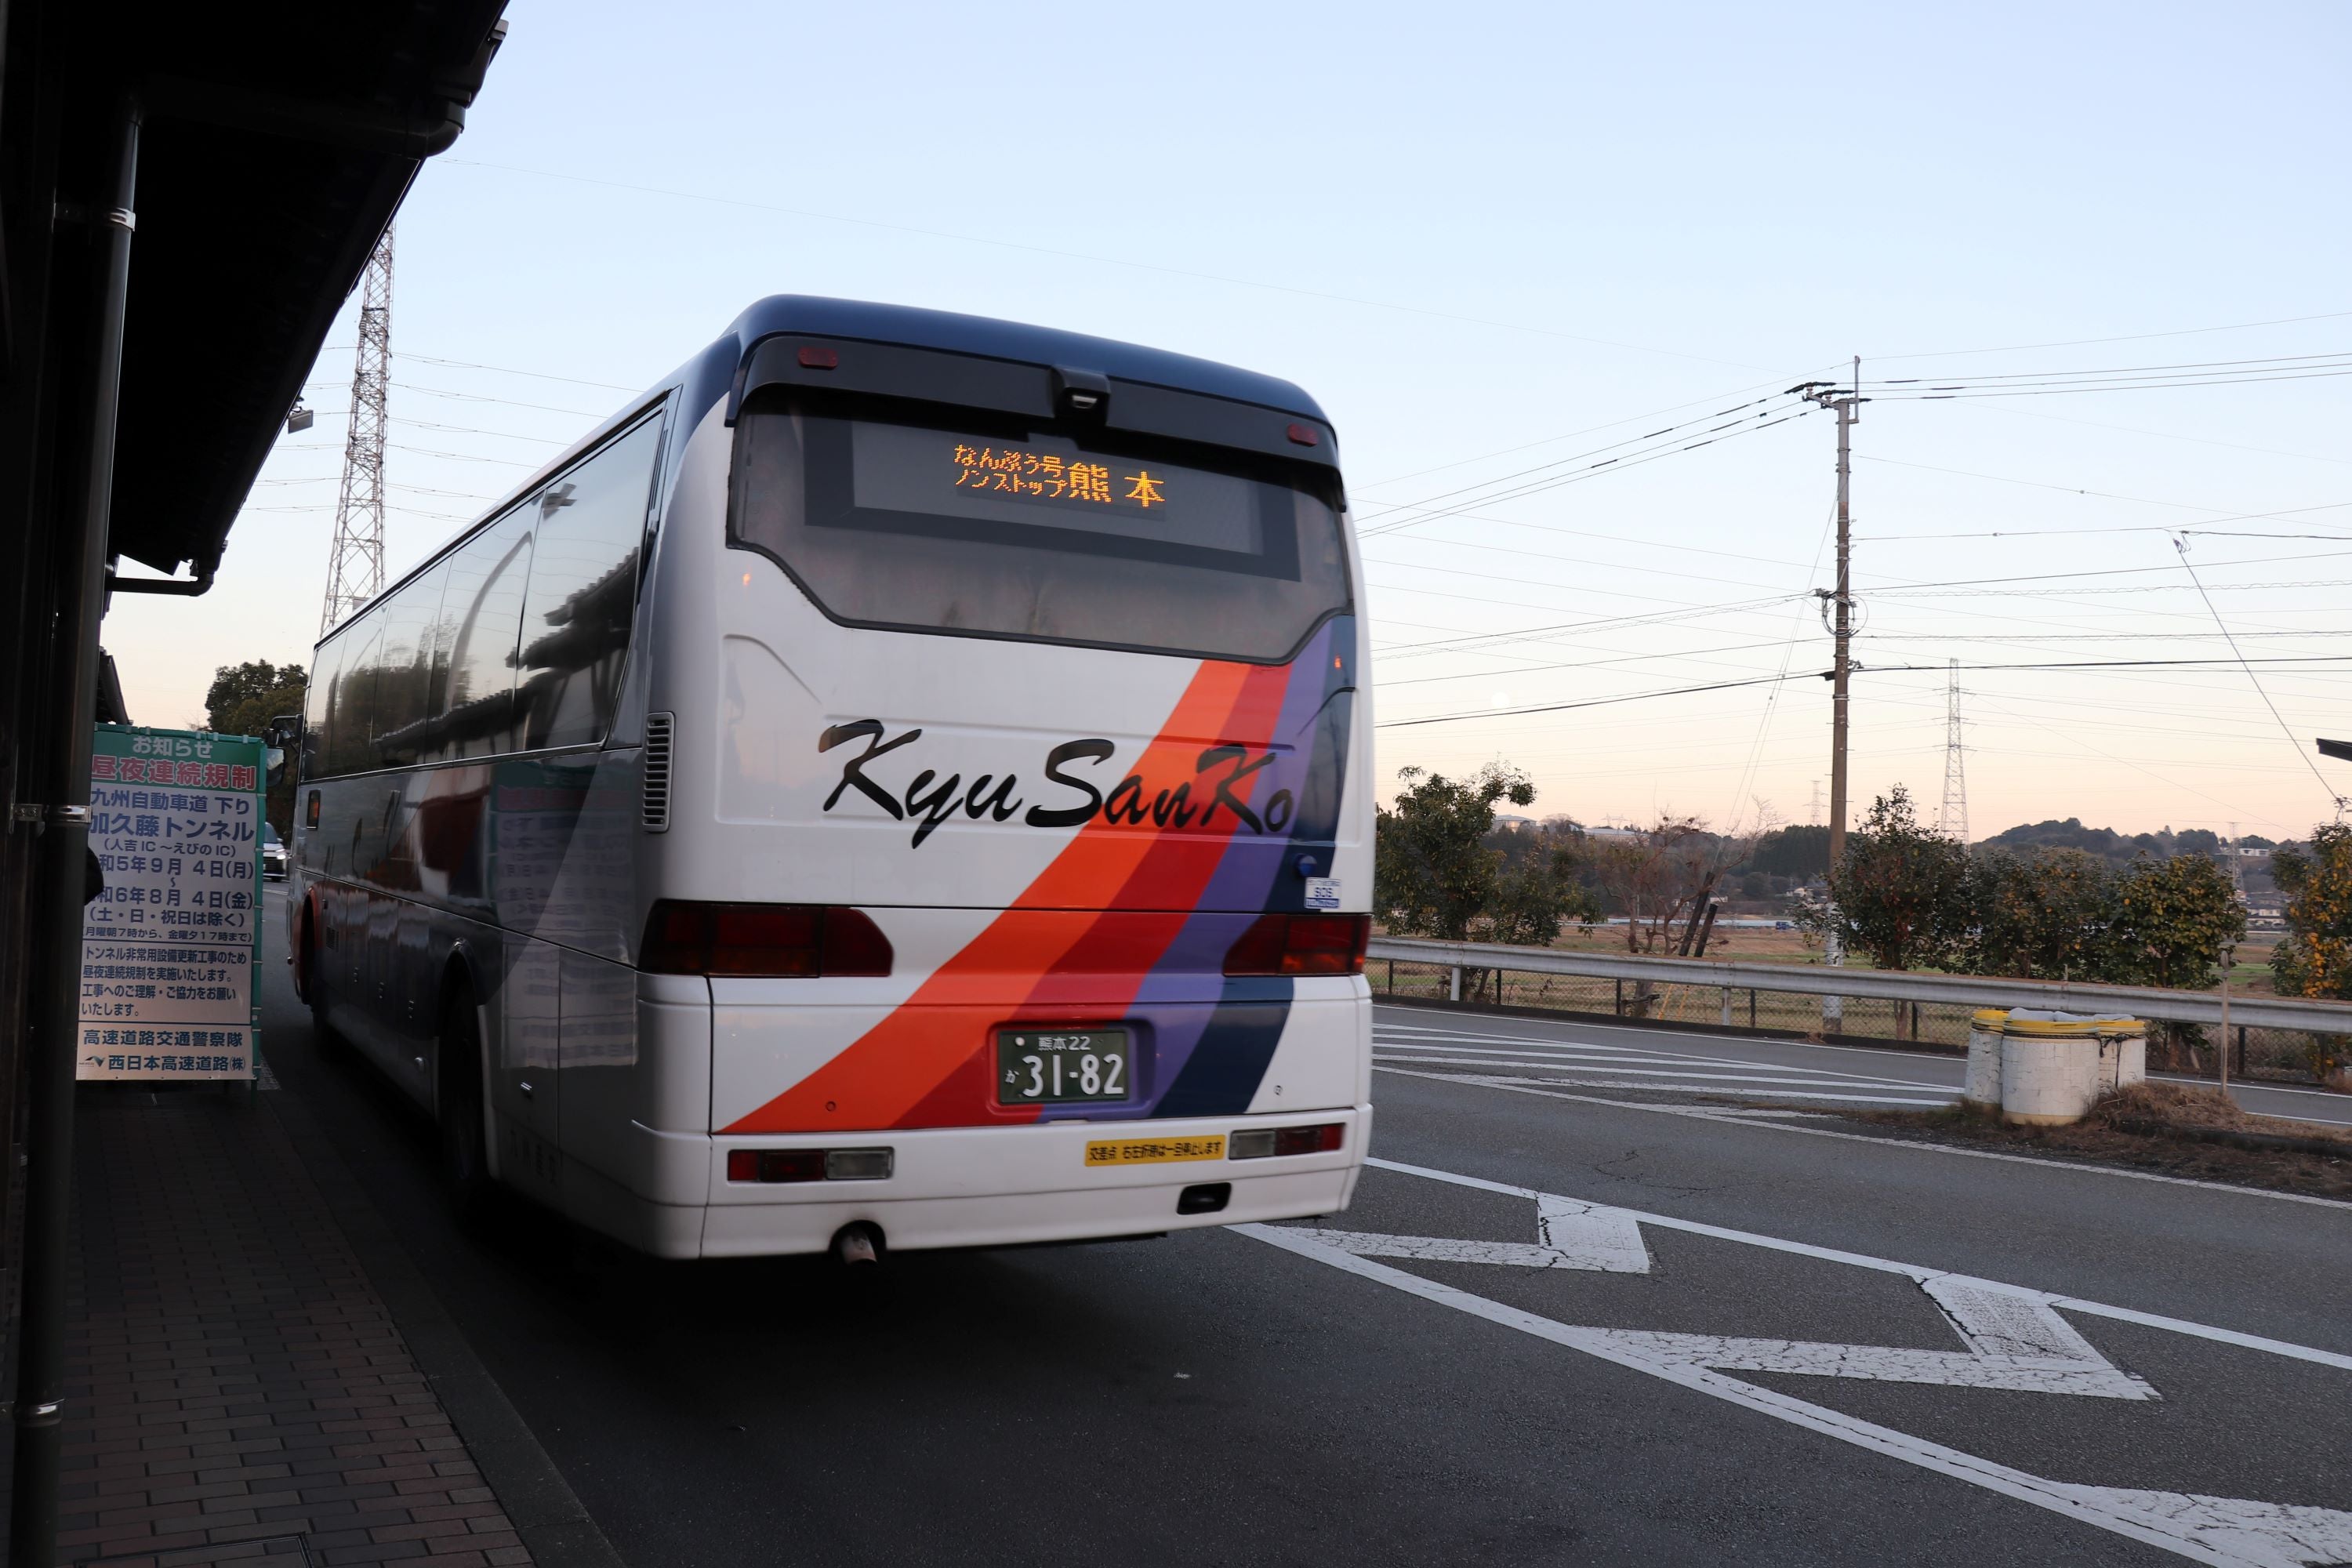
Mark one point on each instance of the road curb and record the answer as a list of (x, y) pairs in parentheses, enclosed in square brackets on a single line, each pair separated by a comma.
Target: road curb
[(549, 1516)]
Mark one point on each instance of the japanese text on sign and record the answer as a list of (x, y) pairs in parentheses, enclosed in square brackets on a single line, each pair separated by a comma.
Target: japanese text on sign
[(1016, 471), (169, 946)]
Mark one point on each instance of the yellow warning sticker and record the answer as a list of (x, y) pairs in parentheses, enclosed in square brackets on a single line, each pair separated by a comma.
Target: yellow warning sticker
[(1153, 1151)]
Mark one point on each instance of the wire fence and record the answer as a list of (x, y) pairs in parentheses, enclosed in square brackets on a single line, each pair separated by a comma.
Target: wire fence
[(2279, 1056)]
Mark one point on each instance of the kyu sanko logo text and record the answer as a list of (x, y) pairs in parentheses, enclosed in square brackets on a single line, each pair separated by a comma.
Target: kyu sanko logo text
[(1210, 799)]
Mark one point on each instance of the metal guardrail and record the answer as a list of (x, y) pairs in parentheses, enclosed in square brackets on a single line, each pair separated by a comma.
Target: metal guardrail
[(1903, 985)]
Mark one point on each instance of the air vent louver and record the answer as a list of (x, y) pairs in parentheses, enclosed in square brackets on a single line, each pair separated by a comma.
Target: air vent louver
[(653, 812)]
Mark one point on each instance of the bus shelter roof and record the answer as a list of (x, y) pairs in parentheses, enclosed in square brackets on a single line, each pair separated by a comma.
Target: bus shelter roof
[(276, 148)]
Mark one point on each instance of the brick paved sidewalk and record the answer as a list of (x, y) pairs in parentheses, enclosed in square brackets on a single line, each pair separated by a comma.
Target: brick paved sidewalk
[(239, 1391)]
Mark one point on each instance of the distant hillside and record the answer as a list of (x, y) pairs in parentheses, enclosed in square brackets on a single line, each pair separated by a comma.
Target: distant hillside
[(2104, 842)]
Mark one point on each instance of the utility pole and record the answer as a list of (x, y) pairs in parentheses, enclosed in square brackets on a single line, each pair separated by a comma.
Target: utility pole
[(1846, 404), (1954, 818), (355, 561), (1839, 604)]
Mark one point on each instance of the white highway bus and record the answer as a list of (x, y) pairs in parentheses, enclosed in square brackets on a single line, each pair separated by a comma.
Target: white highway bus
[(903, 780)]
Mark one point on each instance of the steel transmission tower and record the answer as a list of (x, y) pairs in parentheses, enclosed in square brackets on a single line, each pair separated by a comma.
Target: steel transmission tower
[(356, 563), (1954, 818)]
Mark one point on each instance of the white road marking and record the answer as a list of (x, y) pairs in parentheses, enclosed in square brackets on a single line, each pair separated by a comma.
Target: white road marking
[(2015, 1338), (2336, 1098), (1389, 1033), (1595, 1236), (1690, 1082), (1911, 1270), (1669, 1067), (1717, 1086), (2226, 1532), (1570, 1235), (2000, 1321), (1436, 1047), (1702, 1113), (1886, 1363), (2301, 1534)]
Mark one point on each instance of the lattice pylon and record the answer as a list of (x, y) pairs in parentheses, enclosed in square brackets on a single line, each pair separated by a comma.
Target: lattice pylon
[(355, 561), (1954, 818)]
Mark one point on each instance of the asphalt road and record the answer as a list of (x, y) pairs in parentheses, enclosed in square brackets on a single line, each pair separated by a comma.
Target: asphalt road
[(1559, 1325)]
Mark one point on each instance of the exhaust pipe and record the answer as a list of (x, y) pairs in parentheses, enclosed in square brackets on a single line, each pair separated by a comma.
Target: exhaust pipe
[(857, 1243)]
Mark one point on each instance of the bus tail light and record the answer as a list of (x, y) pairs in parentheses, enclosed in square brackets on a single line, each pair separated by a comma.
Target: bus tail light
[(1264, 1143), (803, 940), (809, 1164), (1301, 945)]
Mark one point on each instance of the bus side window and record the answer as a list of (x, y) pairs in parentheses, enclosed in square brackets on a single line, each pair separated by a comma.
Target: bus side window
[(351, 721), (403, 689), (583, 591), (324, 663), (481, 612)]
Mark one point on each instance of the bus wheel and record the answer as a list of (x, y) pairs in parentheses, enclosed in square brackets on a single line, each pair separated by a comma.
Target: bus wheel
[(465, 1142)]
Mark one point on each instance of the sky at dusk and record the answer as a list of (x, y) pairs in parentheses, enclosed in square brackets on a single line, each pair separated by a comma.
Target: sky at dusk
[(1503, 245)]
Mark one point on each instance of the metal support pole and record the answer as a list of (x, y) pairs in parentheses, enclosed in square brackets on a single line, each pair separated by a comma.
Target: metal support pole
[(55, 1014), (1727, 1006), (2222, 1045), (1453, 982)]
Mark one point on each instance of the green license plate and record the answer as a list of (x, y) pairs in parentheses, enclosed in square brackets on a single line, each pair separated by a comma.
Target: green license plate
[(1052, 1067)]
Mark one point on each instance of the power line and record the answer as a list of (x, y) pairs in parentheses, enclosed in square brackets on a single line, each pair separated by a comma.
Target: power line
[(2128, 383), (1694, 654), (1472, 641), (1593, 702), (2181, 545), (503, 402), (2224, 514), (1634, 459), (2128, 338), (2086, 636), (500, 370), (1946, 592), (2121, 664), (1570, 436), (2332, 357), (2114, 572), (1559, 462), (2164, 434)]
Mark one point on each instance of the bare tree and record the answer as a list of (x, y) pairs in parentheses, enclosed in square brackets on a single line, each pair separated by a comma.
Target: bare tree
[(1663, 880)]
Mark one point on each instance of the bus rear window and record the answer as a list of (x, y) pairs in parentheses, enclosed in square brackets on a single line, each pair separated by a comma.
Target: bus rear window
[(1037, 533)]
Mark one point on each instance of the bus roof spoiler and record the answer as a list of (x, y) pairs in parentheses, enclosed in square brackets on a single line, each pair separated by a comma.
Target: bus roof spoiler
[(1034, 391)]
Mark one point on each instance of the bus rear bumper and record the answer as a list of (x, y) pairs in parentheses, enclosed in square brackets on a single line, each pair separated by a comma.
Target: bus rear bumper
[(996, 1187)]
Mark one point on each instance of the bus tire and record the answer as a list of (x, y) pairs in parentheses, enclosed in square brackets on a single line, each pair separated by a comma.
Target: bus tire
[(465, 1127)]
